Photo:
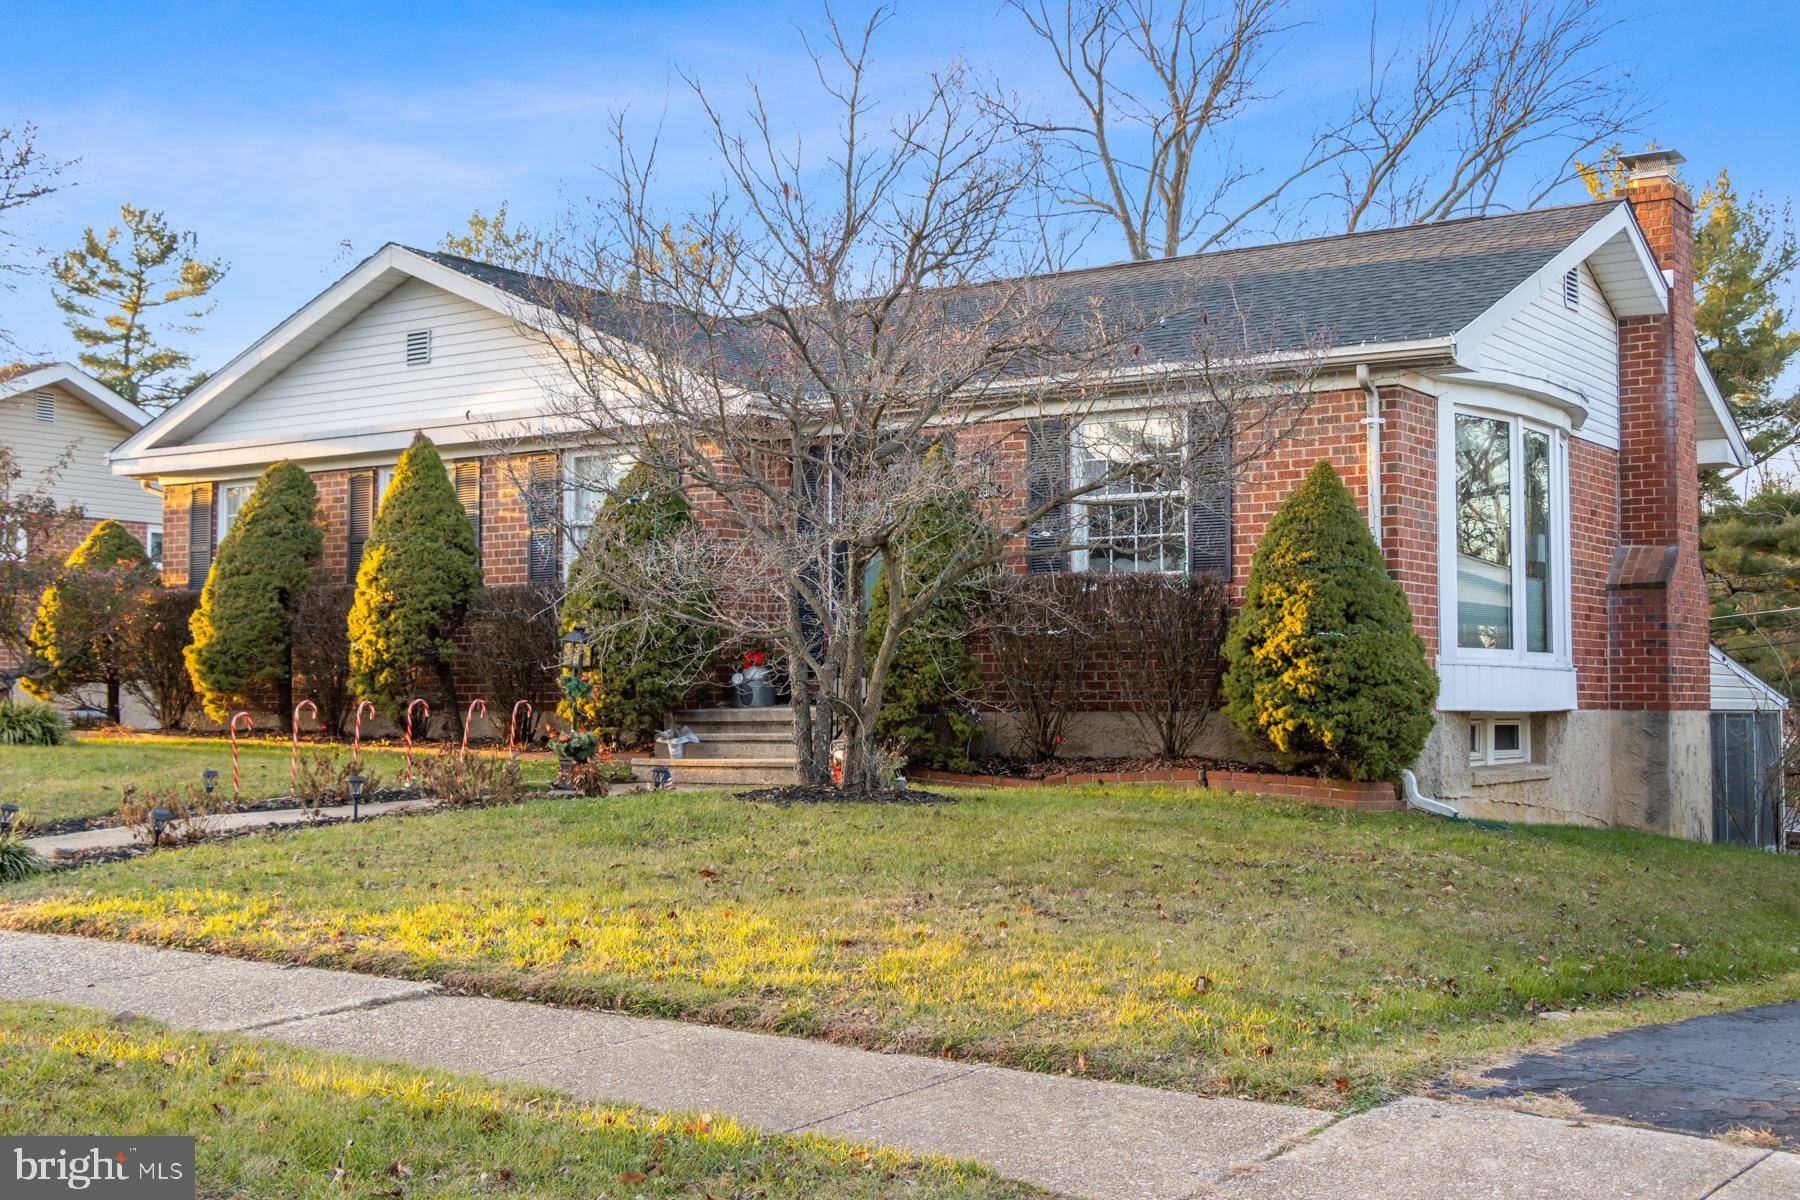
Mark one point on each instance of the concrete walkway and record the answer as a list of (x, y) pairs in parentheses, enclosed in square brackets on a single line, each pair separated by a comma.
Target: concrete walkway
[(117, 837), (1074, 1136)]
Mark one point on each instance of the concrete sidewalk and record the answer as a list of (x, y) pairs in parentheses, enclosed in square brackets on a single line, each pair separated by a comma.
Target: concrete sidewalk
[(1075, 1136), (116, 837)]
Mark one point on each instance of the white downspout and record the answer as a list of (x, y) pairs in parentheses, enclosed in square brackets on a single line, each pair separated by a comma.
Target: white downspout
[(1372, 428), (1409, 786)]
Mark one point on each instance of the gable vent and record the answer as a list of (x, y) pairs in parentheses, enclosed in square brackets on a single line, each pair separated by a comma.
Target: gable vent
[(46, 406), (418, 347), (1572, 288)]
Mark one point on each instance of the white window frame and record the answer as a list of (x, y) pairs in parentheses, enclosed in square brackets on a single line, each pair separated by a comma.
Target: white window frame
[(383, 477), (1481, 739), (221, 522), (618, 463), (156, 555), (1079, 558), (1522, 413)]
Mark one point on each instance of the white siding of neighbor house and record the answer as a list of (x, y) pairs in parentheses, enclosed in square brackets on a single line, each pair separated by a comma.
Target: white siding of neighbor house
[(481, 362), (88, 434), (1577, 348)]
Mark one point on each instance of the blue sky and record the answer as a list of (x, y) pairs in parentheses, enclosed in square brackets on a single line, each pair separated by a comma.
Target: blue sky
[(281, 132)]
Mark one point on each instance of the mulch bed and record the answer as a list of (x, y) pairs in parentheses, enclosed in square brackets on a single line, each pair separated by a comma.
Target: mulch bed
[(1060, 768), (825, 793)]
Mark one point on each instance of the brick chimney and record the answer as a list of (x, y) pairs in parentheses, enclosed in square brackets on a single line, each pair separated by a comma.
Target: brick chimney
[(1659, 606)]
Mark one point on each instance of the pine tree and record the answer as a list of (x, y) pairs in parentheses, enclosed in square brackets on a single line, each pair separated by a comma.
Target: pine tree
[(1752, 551), (1322, 659), (244, 628), (79, 617), (642, 661), (110, 289), (419, 568), (924, 705)]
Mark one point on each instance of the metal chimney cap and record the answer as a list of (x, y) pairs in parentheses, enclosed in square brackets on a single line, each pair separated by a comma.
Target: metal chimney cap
[(1650, 164)]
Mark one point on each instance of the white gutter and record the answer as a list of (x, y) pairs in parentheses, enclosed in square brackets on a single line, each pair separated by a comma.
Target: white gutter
[(1372, 427)]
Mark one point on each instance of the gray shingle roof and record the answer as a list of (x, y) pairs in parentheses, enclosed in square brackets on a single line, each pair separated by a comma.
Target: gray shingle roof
[(1391, 285)]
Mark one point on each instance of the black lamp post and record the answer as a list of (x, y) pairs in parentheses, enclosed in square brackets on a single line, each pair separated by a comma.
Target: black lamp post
[(158, 818), (356, 782), (209, 779), (577, 649), (9, 813)]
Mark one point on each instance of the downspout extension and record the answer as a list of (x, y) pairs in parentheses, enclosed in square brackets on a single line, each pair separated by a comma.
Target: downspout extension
[(1372, 464), (1409, 785)]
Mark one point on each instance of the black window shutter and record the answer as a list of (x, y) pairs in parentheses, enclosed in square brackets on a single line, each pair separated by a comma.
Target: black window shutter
[(361, 519), (1047, 476), (1209, 494), (468, 493), (543, 560), (200, 535)]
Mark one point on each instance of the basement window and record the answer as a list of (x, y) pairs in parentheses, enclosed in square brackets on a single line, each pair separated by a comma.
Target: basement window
[(418, 347), (46, 406), (1495, 741), (1571, 288)]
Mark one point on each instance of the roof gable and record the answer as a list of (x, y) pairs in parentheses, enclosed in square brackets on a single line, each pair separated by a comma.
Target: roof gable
[(79, 383)]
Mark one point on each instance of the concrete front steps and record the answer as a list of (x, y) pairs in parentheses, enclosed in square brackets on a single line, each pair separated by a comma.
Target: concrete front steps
[(737, 746)]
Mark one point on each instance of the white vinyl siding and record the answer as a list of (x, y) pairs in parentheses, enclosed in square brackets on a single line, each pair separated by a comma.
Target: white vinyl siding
[(1576, 348), (85, 479), (481, 362)]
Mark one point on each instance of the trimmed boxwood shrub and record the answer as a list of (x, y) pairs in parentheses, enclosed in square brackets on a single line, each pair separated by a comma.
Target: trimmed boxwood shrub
[(244, 628), (1322, 660), (419, 568)]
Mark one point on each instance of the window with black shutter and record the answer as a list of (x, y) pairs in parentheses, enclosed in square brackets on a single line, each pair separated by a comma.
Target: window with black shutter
[(1047, 476), (365, 494), (200, 535), (543, 558), (1209, 494), (468, 493)]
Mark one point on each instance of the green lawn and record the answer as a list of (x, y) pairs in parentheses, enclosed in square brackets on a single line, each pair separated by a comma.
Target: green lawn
[(85, 778), (272, 1122), (1181, 938)]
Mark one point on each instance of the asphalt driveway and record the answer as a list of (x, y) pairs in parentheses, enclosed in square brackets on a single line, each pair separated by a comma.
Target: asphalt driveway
[(1706, 1075)]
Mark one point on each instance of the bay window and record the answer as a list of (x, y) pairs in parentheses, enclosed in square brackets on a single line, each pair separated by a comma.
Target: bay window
[(1137, 520), (1509, 529)]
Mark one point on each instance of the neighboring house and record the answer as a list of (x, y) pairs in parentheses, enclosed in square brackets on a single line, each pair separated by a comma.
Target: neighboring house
[(1527, 385), (60, 422)]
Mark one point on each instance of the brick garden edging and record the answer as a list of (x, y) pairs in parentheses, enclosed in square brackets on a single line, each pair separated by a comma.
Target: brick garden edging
[(1307, 789)]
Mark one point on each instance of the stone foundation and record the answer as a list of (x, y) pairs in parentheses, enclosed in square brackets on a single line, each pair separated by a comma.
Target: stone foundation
[(1616, 769)]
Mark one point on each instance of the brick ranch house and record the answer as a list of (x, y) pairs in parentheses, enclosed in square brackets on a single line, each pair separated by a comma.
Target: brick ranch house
[(60, 422), (1523, 390)]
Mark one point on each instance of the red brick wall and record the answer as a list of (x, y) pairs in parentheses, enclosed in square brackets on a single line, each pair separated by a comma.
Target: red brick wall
[(1593, 533), (1658, 620)]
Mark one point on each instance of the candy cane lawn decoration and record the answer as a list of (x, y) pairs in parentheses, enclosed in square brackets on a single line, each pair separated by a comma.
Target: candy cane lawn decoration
[(418, 703), (468, 718), (294, 754), (249, 724), (356, 744), (513, 725)]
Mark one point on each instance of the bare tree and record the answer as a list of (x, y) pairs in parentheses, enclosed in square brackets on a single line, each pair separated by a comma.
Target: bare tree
[(27, 174), (790, 349), (1481, 91)]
